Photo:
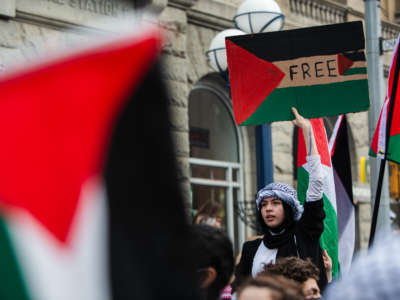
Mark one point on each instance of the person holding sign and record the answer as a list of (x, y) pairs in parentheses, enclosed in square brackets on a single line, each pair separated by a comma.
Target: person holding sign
[(289, 228)]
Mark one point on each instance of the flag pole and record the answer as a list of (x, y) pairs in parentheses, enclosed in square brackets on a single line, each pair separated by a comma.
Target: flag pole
[(383, 162), (377, 202), (377, 95)]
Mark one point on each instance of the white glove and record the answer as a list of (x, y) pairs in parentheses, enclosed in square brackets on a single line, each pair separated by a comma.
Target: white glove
[(316, 179)]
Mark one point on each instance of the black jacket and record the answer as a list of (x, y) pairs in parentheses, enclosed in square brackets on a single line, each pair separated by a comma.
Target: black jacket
[(307, 231)]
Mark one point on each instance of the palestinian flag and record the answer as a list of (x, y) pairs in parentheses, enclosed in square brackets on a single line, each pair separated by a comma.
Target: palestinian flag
[(329, 238), (340, 155), (319, 70), (90, 207), (379, 140)]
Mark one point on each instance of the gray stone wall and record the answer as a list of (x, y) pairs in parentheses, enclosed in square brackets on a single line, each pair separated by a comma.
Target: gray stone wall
[(190, 30), (282, 133), (175, 74)]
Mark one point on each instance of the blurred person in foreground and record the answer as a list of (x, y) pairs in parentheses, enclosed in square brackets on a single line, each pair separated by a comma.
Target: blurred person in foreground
[(373, 275), (302, 271), (272, 287), (214, 259), (289, 228)]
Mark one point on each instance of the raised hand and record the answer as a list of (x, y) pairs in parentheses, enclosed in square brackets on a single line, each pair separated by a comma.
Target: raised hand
[(328, 265), (300, 121), (308, 134)]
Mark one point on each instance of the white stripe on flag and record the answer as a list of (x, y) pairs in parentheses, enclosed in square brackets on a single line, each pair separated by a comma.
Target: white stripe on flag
[(55, 272), (382, 132), (346, 226), (332, 140)]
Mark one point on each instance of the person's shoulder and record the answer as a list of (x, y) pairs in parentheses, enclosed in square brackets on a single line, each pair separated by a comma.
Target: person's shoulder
[(252, 242), (250, 248)]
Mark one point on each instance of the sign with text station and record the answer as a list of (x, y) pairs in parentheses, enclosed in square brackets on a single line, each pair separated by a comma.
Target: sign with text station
[(319, 70)]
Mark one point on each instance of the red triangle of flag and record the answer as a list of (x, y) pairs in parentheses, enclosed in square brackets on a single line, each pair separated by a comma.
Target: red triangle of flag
[(320, 139), (58, 120), (249, 90), (344, 63)]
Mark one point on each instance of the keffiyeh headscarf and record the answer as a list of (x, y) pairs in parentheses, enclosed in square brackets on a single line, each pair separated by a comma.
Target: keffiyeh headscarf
[(285, 193)]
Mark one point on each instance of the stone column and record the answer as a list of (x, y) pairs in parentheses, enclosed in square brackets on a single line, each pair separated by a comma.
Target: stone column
[(174, 20)]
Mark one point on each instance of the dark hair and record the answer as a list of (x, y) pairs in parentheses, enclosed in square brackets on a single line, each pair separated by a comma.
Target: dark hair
[(209, 209), (212, 248), (281, 288), (293, 268)]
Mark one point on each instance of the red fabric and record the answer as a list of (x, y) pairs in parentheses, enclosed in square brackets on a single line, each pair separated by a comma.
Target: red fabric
[(301, 149), (265, 77), (321, 141), (395, 125), (56, 124), (344, 63)]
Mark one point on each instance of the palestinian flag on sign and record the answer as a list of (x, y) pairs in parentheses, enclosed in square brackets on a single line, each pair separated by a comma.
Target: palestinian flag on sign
[(85, 141), (329, 238), (319, 70), (379, 140)]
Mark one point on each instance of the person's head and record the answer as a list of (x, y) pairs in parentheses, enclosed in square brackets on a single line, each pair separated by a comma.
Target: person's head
[(374, 274), (272, 287), (272, 211), (214, 259), (209, 213), (277, 206), (299, 270)]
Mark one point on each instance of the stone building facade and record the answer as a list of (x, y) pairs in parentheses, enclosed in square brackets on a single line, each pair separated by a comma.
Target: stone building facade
[(216, 159)]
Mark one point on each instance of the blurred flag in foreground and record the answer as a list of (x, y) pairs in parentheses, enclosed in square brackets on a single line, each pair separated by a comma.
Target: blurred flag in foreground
[(90, 207)]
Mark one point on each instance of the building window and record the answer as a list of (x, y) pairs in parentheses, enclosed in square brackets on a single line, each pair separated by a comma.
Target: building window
[(215, 155)]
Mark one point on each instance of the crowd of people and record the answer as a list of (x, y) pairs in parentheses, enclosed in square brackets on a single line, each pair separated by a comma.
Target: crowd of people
[(286, 261)]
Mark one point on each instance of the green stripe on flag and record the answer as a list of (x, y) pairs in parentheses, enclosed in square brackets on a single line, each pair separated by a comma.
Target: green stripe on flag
[(330, 237), (335, 97), (354, 71), (372, 153), (12, 286), (393, 152)]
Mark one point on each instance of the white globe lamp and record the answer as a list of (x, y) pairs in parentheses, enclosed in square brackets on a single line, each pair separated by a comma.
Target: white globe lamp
[(216, 54), (255, 16)]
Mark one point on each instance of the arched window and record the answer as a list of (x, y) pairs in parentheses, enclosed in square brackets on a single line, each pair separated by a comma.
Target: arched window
[(215, 153)]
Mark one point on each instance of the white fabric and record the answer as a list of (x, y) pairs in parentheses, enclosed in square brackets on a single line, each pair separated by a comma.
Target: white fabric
[(316, 179), (263, 256), (53, 271), (332, 139)]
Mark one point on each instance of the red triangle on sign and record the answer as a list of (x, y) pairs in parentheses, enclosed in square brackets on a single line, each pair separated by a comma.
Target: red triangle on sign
[(58, 120), (344, 63), (249, 89)]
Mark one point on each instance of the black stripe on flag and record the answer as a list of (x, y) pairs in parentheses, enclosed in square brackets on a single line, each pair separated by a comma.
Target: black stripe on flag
[(355, 56), (148, 230), (341, 159), (303, 42)]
